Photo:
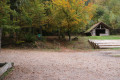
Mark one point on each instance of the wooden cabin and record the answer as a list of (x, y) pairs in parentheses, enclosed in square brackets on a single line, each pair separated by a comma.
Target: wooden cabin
[(99, 29)]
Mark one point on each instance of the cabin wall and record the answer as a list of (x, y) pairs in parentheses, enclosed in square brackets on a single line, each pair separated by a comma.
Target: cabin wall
[(93, 32), (107, 31)]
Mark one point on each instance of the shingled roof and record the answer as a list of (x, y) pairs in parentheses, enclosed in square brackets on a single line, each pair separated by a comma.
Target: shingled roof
[(96, 25)]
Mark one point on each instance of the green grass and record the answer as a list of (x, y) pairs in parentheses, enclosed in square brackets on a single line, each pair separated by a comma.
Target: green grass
[(115, 37)]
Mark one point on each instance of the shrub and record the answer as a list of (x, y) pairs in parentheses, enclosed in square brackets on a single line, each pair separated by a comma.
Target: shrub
[(30, 37), (42, 39), (19, 42)]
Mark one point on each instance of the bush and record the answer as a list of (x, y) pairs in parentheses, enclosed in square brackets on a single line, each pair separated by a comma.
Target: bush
[(30, 37), (42, 39), (19, 42)]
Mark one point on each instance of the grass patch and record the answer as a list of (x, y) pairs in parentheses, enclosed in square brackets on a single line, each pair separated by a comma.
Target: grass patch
[(116, 48), (81, 43), (115, 37), (116, 56)]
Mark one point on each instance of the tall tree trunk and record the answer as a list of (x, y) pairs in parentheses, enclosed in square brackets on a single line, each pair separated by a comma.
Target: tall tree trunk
[(63, 36), (11, 17), (59, 34), (69, 31), (12, 7), (41, 30), (69, 35)]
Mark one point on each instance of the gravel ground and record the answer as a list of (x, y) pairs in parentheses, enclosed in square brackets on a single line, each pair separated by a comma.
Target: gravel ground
[(66, 65)]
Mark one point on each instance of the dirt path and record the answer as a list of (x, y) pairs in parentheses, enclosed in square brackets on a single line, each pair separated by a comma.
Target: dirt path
[(43, 65)]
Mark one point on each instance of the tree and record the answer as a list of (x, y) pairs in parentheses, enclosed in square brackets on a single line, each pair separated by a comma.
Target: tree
[(39, 15), (72, 15), (30, 13), (109, 12), (99, 13), (4, 13)]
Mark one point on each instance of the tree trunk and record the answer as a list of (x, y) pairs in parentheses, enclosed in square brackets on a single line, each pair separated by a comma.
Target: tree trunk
[(63, 36), (59, 37), (41, 30), (11, 17), (69, 32), (69, 35)]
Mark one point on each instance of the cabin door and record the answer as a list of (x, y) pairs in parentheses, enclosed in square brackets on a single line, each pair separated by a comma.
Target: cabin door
[(100, 31)]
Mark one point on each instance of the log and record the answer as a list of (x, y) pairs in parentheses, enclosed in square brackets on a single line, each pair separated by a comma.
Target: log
[(108, 44), (5, 67), (108, 47), (105, 44)]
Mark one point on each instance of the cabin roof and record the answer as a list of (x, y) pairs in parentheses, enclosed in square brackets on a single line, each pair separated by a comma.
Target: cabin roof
[(96, 25)]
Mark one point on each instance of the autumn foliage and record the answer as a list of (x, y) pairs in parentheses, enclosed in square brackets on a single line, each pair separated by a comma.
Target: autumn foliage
[(72, 15), (59, 16)]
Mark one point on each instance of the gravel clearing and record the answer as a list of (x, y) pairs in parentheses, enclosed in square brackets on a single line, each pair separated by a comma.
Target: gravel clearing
[(65, 65)]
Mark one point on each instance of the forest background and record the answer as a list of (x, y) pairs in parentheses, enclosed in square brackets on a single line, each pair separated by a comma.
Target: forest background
[(23, 20)]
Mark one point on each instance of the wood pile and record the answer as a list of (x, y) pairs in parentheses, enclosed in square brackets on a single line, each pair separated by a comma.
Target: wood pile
[(104, 44)]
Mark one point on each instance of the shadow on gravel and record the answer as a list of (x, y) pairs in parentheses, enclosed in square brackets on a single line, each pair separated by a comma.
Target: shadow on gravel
[(111, 54)]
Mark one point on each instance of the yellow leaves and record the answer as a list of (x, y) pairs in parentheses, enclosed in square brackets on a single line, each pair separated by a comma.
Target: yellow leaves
[(64, 23), (85, 22), (85, 0), (81, 2), (74, 12), (63, 3), (89, 9), (74, 22), (59, 2)]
